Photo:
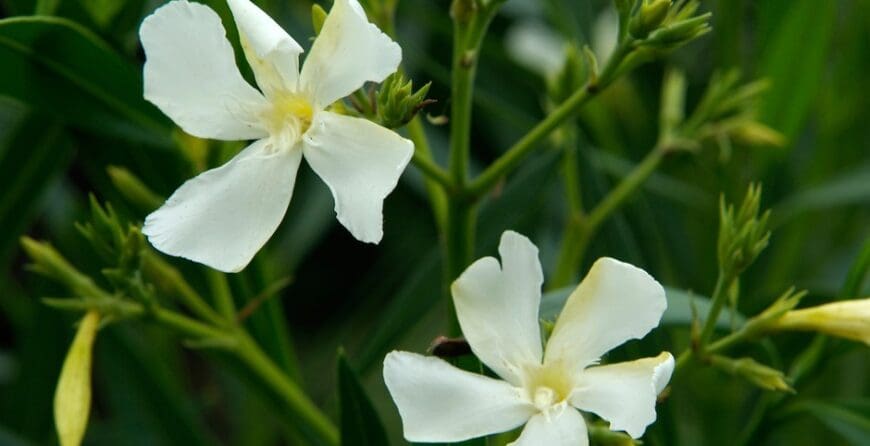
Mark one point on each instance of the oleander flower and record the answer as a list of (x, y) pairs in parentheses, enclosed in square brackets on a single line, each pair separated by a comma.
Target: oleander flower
[(541, 387), (225, 215)]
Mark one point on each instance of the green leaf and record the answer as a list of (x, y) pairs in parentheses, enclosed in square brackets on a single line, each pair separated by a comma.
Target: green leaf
[(850, 419), (360, 424), (848, 189), (795, 66), (679, 310), (33, 152), (65, 70)]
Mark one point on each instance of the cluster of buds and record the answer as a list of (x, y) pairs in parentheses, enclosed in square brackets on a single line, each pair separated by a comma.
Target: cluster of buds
[(398, 103), (743, 234), (727, 112), (663, 24)]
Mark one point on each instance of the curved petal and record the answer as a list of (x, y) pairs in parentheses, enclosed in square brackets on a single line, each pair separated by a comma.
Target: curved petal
[(361, 162), (271, 52), (497, 307), (348, 52), (225, 215), (441, 403), (562, 426), (615, 302), (191, 74), (624, 393)]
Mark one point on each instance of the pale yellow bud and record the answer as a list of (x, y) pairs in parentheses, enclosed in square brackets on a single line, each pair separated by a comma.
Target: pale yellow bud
[(72, 399), (847, 319)]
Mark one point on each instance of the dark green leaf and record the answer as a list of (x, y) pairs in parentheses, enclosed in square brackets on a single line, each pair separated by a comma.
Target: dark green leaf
[(67, 71), (360, 424), (849, 419)]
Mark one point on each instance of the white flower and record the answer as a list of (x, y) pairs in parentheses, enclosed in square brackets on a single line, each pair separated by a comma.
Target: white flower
[(497, 307), (224, 216)]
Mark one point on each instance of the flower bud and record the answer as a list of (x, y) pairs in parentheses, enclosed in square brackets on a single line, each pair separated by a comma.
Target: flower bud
[(753, 371), (743, 234), (681, 32), (318, 17), (847, 319), (72, 399), (397, 101), (753, 133), (649, 17), (133, 189)]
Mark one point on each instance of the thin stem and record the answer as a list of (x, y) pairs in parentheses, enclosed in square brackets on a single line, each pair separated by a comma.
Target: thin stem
[(303, 408), (585, 226), (223, 297), (723, 283), (510, 159), (459, 249), (432, 171)]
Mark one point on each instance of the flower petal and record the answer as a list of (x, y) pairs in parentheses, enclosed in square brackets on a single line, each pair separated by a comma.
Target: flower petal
[(361, 162), (441, 403), (225, 215), (191, 74), (272, 54), (561, 426), (624, 393), (348, 52), (615, 302), (497, 307)]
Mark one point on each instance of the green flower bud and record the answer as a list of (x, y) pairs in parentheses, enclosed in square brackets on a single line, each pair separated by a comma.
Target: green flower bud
[(318, 17), (398, 103), (133, 189), (72, 399), (743, 234), (759, 374), (649, 17), (680, 32)]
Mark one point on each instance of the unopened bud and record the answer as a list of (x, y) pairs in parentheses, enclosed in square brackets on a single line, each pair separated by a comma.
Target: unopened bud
[(72, 399), (318, 17), (397, 101), (759, 374), (133, 189), (754, 133), (681, 32), (847, 319), (649, 17)]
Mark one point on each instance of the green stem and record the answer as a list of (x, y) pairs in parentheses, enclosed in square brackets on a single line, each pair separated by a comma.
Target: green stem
[(510, 159), (461, 216), (458, 249), (584, 227), (723, 283), (246, 349), (303, 408), (434, 173), (223, 297)]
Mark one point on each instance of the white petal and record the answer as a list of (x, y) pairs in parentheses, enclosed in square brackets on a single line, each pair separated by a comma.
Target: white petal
[(497, 307), (348, 52), (441, 403), (624, 393), (562, 426), (615, 302), (361, 162), (191, 74), (225, 215), (272, 54)]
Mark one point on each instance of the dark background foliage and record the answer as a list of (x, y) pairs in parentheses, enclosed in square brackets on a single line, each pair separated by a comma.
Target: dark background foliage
[(71, 105)]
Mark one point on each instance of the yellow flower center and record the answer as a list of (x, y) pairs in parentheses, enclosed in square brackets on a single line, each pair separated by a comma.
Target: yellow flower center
[(547, 385), (289, 112)]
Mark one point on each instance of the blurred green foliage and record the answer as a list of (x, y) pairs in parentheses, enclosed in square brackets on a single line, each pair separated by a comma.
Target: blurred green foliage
[(71, 107)]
